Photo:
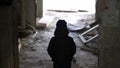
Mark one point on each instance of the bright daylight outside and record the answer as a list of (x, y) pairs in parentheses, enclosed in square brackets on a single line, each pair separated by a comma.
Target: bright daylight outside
[(88, 5)]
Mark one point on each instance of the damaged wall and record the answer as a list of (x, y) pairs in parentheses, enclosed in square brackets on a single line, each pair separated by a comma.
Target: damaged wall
[(27, 13), (39, 8), (30, 11), (12, 14), (108, 16), (8, 36)]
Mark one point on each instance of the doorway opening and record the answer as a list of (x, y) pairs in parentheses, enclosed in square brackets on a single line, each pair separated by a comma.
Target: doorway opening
[(79, 14), (69, 5)]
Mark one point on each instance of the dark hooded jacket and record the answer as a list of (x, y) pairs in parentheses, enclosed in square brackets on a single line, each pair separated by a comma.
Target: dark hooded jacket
[(61, 47)]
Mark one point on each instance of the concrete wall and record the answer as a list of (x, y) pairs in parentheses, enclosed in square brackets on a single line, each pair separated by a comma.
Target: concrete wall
[(27, 13), (39, 8), (11, 14), (8, 36), (108, 16), (30, 12)]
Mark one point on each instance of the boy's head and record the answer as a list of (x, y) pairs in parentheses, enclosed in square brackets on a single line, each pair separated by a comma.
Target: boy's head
[(61, 24), (61, 28)]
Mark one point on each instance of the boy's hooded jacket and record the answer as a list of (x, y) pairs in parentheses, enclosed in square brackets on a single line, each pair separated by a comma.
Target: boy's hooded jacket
[(61, 47)]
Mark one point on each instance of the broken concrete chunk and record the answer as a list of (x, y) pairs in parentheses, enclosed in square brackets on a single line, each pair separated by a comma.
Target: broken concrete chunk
[(45, 21)]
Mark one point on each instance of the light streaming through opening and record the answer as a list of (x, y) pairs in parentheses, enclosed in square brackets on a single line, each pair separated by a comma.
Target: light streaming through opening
[(88, 5)]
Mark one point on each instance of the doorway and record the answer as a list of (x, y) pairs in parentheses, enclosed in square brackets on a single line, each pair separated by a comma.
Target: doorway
[(33, 53)]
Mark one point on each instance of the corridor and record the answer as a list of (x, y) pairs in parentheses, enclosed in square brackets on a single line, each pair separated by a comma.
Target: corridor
[(33, 53)]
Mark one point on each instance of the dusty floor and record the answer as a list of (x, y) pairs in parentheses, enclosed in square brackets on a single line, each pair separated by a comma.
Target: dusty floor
[(33, 53)]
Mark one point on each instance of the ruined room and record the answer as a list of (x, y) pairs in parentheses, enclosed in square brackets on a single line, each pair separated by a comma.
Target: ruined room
[(26, 28)]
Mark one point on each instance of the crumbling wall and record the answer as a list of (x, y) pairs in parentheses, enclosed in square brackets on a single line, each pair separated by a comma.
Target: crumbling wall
[(108, 16), (27, 13), (30, 12), (8, 35), (39, 8)]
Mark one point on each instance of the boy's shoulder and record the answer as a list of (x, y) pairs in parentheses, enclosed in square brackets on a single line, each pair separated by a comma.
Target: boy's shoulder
[(70, 37)]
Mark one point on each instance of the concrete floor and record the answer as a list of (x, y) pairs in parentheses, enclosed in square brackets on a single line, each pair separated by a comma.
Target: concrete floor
[(33, 53)]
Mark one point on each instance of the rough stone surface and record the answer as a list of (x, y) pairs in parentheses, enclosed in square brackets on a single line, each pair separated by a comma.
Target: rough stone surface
[(108, 16)]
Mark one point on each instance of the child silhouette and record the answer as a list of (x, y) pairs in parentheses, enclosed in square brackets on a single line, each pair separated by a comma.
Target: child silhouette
[(61, 47)]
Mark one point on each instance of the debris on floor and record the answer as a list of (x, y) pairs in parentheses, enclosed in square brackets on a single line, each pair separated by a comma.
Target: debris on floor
[(89, 34), (76, 27), (67, 11), (90, 49), (45, 21), (33, 53)]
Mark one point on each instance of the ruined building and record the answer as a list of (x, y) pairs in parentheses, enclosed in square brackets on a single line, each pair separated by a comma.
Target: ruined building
[(16, 14)]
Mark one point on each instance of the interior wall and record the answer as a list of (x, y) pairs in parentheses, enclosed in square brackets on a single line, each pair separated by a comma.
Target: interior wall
[(108, 16), (39, 8), (8, 38), (30, 11), (13, 12), (26, 13)]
